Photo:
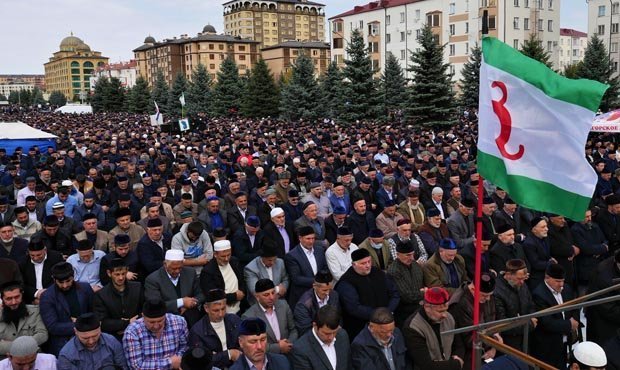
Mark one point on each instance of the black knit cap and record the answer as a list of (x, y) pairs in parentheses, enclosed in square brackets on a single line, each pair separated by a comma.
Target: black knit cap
[(87, 322), (154, 308), (62, 271), (263, 285), (252, 326)]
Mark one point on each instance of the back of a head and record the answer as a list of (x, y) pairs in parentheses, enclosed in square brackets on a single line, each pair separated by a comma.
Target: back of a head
[(328, 316), (197, 358), (24, 346), (381, 316)]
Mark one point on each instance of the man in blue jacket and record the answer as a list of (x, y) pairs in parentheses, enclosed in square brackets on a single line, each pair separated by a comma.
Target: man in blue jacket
[(62, 303), (253, 343)]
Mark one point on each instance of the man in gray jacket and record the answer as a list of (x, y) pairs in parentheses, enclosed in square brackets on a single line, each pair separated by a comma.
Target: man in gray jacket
[(266, 266), (196, 245), (281, 331)]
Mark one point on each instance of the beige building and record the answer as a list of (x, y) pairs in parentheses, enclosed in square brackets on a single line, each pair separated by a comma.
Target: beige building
[(392, 26), (280, 58), (36, 80), (572, 47), (183, 54), (274, 22), (70, 68)]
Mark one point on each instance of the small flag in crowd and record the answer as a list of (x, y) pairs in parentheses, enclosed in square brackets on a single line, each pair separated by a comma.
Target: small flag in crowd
[(157, 119), (533, 126), (182, 99)]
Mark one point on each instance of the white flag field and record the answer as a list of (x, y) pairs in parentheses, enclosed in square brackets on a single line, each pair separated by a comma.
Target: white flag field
[(608, 122), (533, 126)]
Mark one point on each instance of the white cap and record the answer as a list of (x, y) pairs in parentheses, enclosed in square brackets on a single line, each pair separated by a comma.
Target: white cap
[(58, 205), (174, 255), (437, 190), (276, 211), (221, 245), (296, 160), (66, 183), (590, 354), (414, 183)]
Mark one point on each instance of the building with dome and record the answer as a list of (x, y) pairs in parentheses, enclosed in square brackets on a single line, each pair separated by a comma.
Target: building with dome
[(69, 69), (185, 53)]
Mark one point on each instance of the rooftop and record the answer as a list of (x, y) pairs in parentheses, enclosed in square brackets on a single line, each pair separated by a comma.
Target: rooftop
[(299, 2), (572, 33), (374, 5), (118, 66), (300, 45), (200, 37)]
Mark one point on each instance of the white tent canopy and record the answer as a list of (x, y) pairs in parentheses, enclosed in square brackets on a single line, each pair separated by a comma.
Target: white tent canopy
[(20, 130)]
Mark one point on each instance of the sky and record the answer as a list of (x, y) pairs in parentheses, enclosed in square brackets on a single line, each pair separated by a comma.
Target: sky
[(33, 29)]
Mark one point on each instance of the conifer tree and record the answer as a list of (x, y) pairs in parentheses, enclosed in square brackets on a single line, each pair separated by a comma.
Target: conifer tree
[(470, 79), (98, 100), (37, 97), (227, 91), (114, 96), (159, 94), (331, 94), (533, 48), (199, 97), (392, 89), (361, 99), (57, 98), (597, 66), (139, 98), (431, 99), (300, 95), (179, 87), (262, 96)]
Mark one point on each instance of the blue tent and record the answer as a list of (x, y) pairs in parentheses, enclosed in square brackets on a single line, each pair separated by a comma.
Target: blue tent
[(19, 134)]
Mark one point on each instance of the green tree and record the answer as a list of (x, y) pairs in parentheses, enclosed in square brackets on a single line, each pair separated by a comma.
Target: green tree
[(262, 96), (2, 97), (25, 97), (533, 48), (470, 79), (199, 97), (37, 97), (179, 87), (99, 98), (597, 66), (572, 70), (228, 90), (360, 87), (300, 95), (431, 99), (159, 94), (114, 100), (14, 97), (139, 98), (57, 98), (331, 94), (393, 87)]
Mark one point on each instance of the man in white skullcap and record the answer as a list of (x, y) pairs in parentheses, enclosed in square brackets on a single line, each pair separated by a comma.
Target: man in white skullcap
[(177, 286), (279, 232), (224, 272), (23, 355), (587, 356)]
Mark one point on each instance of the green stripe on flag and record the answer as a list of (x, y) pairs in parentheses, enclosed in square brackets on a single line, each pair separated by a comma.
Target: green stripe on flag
[(531, 193), (585, 93)]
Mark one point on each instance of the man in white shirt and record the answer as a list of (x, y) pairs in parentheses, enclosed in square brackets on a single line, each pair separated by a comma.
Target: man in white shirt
[(23, 355), (31, 182), (338, 255), (326, 346)]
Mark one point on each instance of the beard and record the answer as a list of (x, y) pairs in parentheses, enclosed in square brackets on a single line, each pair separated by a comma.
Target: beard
[(9, 315)]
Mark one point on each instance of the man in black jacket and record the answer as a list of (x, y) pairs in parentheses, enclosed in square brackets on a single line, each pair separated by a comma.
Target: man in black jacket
[(119, 303), (604, 319), (609, 221), (361, 221), (53, 237), (35, 285), (506, 248)]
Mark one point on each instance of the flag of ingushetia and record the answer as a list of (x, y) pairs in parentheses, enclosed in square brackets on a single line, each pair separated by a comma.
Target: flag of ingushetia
[(533, 126)]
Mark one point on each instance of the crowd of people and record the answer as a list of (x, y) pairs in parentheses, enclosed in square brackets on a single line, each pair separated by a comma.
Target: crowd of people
[(259, 244)]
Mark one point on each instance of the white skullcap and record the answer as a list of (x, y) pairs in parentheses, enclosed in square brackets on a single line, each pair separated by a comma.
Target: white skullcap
[(276, 211), (174, 255), (24, 346), (414, 182), (296, 160), (66, 183), (221, 245), (590, 354), (437, 190)]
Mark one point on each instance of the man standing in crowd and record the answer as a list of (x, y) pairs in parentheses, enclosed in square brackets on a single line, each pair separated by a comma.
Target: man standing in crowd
[(303, 262)]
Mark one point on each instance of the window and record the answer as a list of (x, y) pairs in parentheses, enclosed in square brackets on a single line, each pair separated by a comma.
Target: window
[(492, 22), (452, 8), (418, 33), (601, 10), (517, 3), (388, 38), (466, 27), (467, 48), (211, 66), (373, 29), (402, 17), (452, 29), (417, 14), (550, 4), (550, 25), (403, 54), (337, 26), (373, 47), (614, 8), (576, 52), (388, 20), (614, 28), (526, 3), (601, 29), (452, 49), (540, 4), (615, 66), (402, 37), (526, 24), (541, 26), (614, 48), (375, 65), (549, 45), (337, 43), (241, 57), (361, 25), (515, 23), (515, 44), (452, 69), (433, 20)]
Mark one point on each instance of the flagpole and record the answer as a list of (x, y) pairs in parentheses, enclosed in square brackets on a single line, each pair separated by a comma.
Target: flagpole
[(476, 355)]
